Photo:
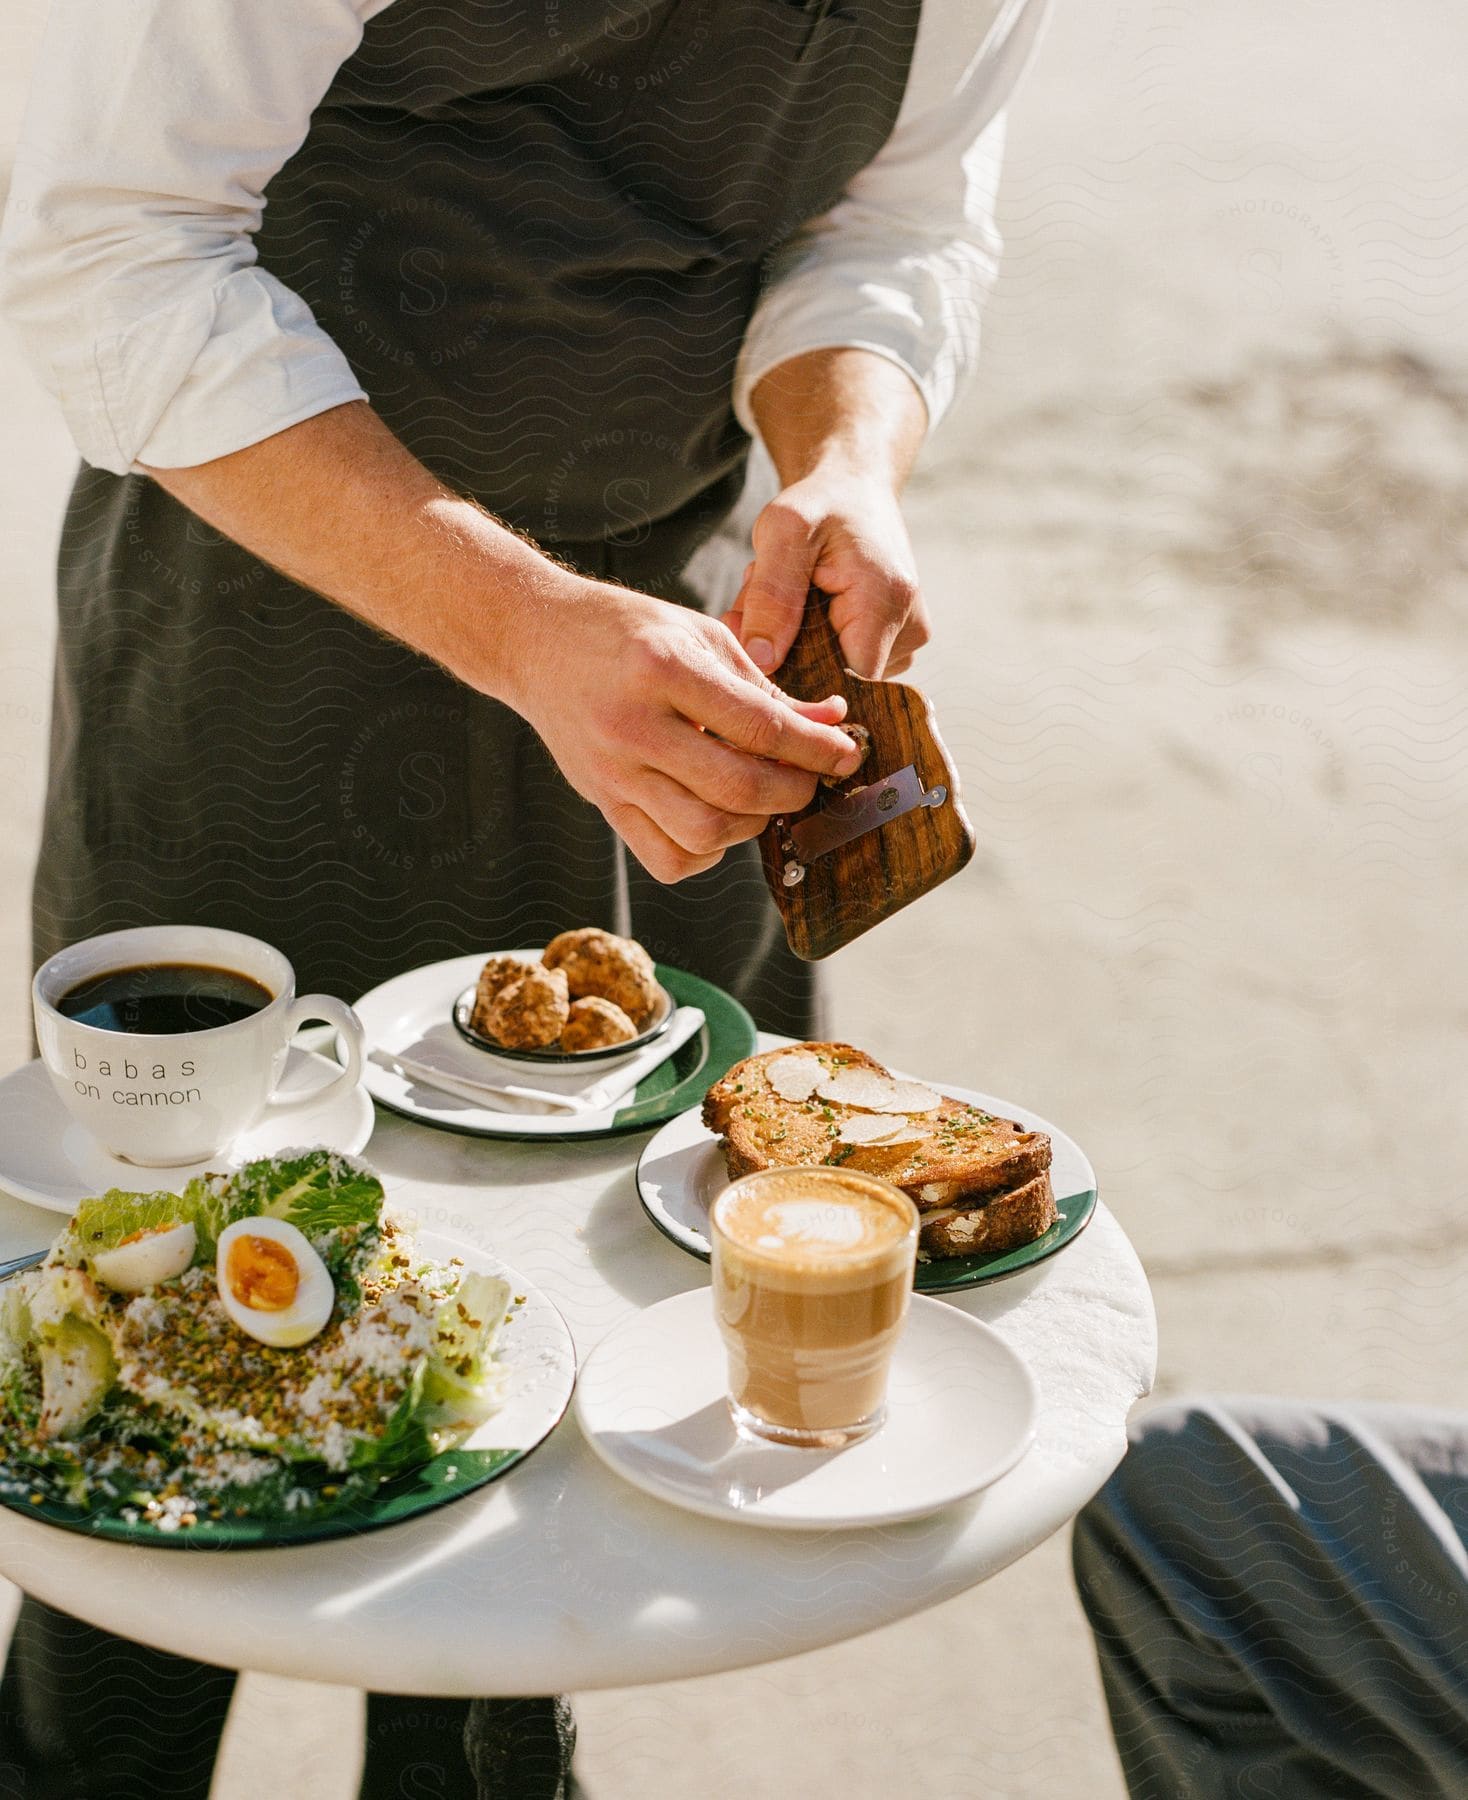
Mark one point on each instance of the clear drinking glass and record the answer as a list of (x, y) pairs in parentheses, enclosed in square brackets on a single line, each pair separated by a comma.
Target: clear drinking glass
[(812, 1274)]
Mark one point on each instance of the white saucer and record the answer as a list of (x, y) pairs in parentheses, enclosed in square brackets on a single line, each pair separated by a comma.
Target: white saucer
[(962, 1409), (47, 1159)]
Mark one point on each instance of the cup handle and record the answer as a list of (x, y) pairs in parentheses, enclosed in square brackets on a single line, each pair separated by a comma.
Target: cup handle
[(330, 1011)]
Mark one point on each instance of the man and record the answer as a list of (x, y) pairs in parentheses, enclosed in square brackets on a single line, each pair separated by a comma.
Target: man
[(415, 349), (1279, 1595)]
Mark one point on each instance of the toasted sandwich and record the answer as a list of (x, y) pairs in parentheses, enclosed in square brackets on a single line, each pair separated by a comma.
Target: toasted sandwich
[(980, 1182)]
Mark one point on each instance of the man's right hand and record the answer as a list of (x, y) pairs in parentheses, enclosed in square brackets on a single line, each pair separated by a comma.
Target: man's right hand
[(657, 716)]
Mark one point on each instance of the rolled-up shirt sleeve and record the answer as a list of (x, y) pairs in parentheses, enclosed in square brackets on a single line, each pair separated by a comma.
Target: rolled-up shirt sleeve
[(902, 263), (127, 265)]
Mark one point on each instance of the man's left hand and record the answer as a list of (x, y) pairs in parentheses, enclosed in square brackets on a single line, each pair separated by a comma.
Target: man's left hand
[(845, 535)]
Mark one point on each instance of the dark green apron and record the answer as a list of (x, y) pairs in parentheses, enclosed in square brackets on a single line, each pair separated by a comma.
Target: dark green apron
[(537, 231)]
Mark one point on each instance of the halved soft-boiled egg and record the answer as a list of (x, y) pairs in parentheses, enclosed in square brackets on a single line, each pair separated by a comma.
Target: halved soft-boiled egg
[(272, 1283), (145, 1258)]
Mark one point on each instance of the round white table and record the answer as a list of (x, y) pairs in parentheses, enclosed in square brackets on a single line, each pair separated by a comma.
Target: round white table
[(560, 1576)]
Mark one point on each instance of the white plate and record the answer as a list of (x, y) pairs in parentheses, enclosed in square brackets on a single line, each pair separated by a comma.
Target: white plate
[(961, 1412), (46, 1158), (535, 1347), (681, 1171), (396, 1015)]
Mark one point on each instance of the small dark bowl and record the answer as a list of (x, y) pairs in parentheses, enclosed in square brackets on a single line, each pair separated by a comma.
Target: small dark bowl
[(464, 1006)]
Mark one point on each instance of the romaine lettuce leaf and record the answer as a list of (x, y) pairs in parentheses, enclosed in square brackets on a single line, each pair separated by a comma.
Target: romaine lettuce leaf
[(58, 1307), (53, 1292), (404, 1440), (461, 1384), (316, 1190), (17, 1331), (76, 1371), (103, 1223), (454, 1388), (24, 1449), (468, 1322), (351, 1256)]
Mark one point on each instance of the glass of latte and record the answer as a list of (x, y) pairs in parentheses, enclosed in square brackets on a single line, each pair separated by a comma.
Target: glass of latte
[(812, 1275)]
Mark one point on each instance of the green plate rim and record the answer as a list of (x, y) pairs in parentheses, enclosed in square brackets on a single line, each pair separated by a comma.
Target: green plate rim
[(728, 1031), (952, 1274), (1076, 1212), (378, 1513)]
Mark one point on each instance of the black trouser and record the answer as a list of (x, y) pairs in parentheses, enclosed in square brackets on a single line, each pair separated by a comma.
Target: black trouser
[(1279, 1595), (88, 1716)]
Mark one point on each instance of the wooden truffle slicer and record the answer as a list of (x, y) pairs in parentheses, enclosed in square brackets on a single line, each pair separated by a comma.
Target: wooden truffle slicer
[(869, 845)]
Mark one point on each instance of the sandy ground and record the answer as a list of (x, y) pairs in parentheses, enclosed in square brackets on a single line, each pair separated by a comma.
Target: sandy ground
[(1197, 549)]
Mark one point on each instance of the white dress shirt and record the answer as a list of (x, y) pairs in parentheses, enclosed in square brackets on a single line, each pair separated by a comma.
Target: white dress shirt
[(128, 268)]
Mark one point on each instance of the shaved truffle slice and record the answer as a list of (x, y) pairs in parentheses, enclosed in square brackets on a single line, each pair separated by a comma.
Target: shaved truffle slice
[(595, 1024), (530, 1013), (878, 1093), (795, 1076), (906, 1133), (871, 1128), (911, 1097)]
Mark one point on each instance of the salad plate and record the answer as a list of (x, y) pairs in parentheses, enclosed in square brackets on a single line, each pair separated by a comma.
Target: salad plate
[(408, 1010), (439, 1370), (681, 1171)]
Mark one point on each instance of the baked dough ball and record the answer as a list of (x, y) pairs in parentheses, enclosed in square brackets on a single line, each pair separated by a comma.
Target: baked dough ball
[(608, 967), (595, 1024), (496, 975), (530, 1012)]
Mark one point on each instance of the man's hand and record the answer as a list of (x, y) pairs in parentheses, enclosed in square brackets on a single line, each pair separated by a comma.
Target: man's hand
[(656, 715), (842, 427), (653, 712), (847, 537)]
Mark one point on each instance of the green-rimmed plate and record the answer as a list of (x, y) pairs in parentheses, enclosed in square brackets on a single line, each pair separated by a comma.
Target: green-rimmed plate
[(681, 1170), (535, 1347), (416, 1010)]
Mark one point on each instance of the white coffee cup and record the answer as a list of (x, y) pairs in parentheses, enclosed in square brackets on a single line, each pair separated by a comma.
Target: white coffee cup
[(166, 1100)]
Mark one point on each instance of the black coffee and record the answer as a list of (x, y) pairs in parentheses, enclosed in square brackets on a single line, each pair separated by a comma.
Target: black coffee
[(163, 998)]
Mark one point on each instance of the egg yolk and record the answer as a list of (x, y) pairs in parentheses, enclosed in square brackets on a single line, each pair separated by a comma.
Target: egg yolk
[(136, 1237), (262, 1274)]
